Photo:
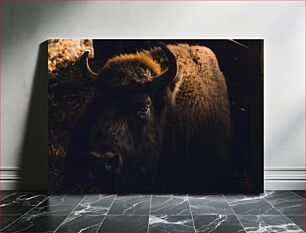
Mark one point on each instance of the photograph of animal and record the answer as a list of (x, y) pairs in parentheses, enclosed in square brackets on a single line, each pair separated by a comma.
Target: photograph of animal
[(158, 120)]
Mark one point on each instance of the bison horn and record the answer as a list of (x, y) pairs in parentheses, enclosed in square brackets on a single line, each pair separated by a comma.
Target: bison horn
[(167, 77), (87, 73)]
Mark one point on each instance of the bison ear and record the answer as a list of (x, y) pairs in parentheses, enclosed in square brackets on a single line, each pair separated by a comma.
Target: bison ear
[(168, 76), (87, 73)]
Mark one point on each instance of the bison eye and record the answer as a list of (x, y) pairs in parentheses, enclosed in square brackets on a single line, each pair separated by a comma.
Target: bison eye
[(144, 111)]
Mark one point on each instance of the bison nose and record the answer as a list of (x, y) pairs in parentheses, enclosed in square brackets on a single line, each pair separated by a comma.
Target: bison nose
[(110, 162), (114, 163)]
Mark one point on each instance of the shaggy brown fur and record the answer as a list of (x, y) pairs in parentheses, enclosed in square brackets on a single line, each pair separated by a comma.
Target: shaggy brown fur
[(201, 112), (188, 125), (199, 93), (122, 70)]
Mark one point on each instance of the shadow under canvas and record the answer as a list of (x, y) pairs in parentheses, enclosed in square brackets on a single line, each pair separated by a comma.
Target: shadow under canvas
[(34, 151)]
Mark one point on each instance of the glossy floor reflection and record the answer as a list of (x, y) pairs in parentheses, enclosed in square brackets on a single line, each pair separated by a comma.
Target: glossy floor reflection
[(273, 211)]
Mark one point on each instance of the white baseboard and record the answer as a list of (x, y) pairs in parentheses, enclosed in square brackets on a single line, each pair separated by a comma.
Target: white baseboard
[(284, 178), (275, 178), (18, 184), (10, 180), (284, 184)]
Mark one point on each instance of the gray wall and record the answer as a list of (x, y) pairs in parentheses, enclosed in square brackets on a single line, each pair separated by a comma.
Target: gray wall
[(23, 70)]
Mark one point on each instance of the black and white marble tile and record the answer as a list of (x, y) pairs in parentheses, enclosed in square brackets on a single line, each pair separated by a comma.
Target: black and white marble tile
[(21, 202), (7, 220), (32, 212), (299, 220), (95, 204), (286, 202), (35, 223), (5, 194), (124, 223), (58, 200), (57, 205), (165, 223), (209, 205), (81, 222), (217, 223), (130, 204), (49, 213), (170, 205), (251, 205), (300, 193), (266, 223), (43, 209), (88, 214)]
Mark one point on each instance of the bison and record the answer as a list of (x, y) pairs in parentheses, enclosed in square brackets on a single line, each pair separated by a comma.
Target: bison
[(159, 121)]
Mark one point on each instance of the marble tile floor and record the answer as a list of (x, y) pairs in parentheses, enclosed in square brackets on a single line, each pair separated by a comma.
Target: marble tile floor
[(273, 211)]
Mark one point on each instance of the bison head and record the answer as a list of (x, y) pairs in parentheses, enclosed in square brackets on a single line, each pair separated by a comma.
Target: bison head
[(124, 124)]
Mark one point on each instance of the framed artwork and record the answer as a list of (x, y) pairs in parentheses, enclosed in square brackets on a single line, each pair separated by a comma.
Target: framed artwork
[(155, 116)]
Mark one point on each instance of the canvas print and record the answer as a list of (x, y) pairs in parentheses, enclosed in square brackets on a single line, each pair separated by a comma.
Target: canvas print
[(155, 116)]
